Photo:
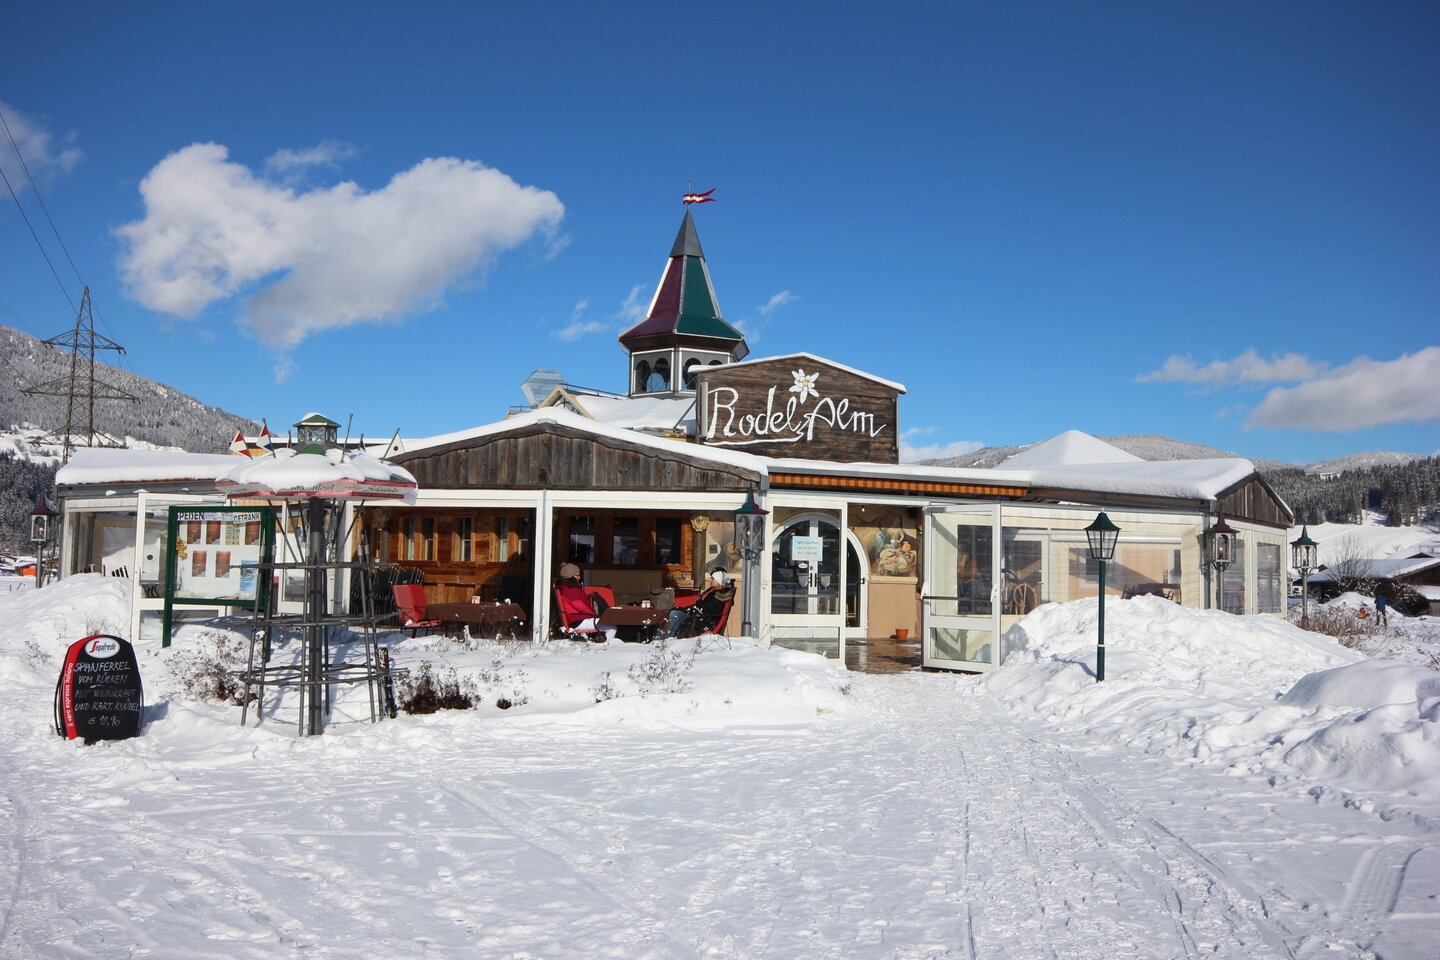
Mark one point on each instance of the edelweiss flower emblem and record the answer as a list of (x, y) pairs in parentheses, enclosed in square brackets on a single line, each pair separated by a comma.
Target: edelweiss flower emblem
[(805, 384)]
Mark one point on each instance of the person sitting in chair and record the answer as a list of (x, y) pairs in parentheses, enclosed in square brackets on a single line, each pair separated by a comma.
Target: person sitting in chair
[(704, 614), (575, 602)]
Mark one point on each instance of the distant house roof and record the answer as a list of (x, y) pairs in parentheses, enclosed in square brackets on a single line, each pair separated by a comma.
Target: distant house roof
[(1385, 569), (1068, 449), (97, 465)]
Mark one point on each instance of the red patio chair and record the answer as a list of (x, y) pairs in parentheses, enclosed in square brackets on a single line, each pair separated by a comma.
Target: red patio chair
[(410, 606), (575, 608)]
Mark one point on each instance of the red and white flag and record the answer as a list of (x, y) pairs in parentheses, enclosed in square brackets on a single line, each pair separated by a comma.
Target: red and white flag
[(700, 197)]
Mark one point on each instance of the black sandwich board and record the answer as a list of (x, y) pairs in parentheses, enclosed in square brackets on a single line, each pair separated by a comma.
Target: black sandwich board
[(99, 695)]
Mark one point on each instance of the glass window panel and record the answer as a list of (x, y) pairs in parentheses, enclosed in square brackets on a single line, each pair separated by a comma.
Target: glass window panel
[(427, 527), (968, 646), (408, 535), (668, 540), (625, 540), (581, 548), (1268, 580), (464, 528), (502, 539), (1022, 568), (1233, 582)]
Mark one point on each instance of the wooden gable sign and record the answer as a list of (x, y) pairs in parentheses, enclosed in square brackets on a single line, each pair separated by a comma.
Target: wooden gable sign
[(799, 406)]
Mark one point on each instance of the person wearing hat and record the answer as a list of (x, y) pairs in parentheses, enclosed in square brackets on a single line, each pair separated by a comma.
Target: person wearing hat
[(575, 602), (704, 614)]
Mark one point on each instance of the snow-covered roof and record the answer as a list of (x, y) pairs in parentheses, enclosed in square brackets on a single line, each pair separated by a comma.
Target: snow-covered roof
[(1068, 449), (332, 474), (1388, 568), (114, 465), (638, 413), (1427, 591), (898, 387), (563, 417), (1182, 479)]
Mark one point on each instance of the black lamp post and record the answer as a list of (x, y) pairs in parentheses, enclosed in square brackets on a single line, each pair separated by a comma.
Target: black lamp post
[(1102, 535), (1303, 557), (1220, 551), (749, 543)]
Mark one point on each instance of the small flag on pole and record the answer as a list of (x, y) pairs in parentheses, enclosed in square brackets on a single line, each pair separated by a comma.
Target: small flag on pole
[(238, 444), (265, 442), (700, 197)]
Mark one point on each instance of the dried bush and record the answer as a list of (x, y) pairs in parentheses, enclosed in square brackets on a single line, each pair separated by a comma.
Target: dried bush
[(207, 666), (424, 690)]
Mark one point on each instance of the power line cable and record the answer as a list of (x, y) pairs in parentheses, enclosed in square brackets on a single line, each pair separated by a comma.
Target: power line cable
[(40, 197), (26, 217)]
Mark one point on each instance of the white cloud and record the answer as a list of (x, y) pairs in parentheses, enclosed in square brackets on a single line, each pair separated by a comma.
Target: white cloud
[(751, 328), (1247, 368), (633, 308), (911, 453), (777, 301), (321, 258), (44, 153), (579, 326), (327, 154), (1363, 393)]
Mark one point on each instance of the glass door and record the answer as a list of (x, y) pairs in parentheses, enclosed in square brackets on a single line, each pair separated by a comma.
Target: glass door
[(961, 595), (807, 585)]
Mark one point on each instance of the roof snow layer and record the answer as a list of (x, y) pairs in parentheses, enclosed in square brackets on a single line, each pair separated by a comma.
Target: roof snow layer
[(1066, 450)]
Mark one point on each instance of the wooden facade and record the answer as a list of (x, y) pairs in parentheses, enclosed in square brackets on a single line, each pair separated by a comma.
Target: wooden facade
[(844, 417), (552, 456), (1253, 500)]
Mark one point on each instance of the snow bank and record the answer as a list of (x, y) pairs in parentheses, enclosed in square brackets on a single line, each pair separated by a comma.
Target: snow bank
[(701, 683), (1253, 694)]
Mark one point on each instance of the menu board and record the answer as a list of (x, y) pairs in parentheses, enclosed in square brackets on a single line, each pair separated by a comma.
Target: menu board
[(99, 696), (211, 550)]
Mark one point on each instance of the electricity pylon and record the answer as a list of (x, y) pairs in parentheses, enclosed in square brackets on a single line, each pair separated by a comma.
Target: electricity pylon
[(80, 386)]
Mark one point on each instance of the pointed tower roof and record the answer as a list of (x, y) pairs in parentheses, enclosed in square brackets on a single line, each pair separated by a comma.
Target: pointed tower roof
[(684, 308)]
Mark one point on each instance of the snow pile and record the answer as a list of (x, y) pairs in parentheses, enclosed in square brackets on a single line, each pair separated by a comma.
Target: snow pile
[(1253, 694), (37, 626), (700, 683)]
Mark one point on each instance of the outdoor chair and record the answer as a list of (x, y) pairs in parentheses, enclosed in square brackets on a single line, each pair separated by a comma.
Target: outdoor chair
[(410, 606), (697, 623), (575, 608)]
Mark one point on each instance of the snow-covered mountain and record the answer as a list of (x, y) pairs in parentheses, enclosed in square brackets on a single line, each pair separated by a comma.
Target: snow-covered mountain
[(1359, 461), (161, 415)]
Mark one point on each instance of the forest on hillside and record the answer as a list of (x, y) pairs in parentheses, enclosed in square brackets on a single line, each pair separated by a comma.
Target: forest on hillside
[(1406, 493)]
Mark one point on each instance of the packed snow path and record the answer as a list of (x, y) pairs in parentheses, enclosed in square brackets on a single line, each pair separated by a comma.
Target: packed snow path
[(917, 827)]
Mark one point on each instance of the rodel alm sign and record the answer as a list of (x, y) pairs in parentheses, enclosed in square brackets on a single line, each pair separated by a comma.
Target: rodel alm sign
[(799, 406)]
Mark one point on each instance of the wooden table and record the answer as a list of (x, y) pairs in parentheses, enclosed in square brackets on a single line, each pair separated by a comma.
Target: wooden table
[(645, 620), (489, 618)]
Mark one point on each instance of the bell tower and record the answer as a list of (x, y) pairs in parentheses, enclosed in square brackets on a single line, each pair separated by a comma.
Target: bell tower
[(683, 330)]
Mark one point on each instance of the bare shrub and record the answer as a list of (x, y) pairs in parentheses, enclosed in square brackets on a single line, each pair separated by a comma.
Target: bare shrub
[(664, 669), (426, 690), (1341, 623), (206, 667)]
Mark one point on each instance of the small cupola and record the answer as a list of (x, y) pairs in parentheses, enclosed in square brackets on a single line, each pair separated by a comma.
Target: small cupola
[(683, 331), (316, 430)]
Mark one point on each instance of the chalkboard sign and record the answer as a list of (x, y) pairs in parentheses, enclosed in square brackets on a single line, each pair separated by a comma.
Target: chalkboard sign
[(99, 695)]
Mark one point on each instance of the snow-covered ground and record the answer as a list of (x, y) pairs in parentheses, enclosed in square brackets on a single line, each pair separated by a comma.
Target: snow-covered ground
[(1371, 539), (1235, 788)]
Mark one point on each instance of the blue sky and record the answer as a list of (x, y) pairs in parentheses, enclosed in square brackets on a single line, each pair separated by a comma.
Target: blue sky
[(1216, 221)]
